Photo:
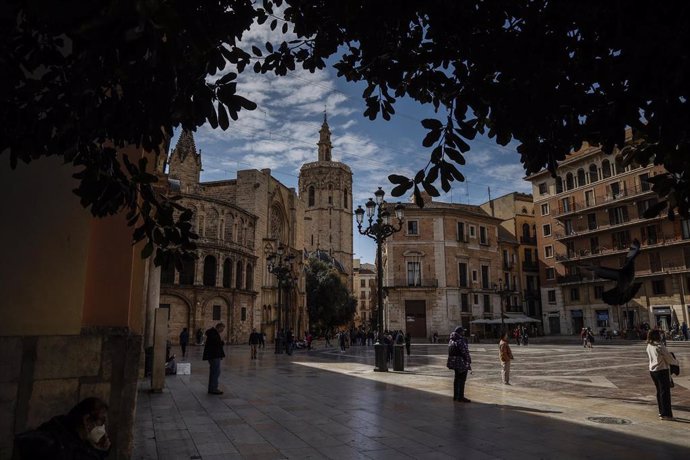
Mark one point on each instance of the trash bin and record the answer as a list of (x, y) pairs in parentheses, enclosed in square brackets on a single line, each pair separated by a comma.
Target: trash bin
[(148, 361), (399, 357)]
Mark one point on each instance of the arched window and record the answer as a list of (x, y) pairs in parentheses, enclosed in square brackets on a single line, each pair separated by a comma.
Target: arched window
[(569, 182), (168, 273), (581, 179), (238, 275), (559, 184), (605, 169), (210, 271), (525, 230), (593, 175), (312, 197), (229, 223), (250, 277), (187, 273), (345, 199), (212, 222), (227, 273)]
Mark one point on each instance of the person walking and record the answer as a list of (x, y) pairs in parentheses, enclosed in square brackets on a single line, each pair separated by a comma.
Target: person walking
[(660, 361), (254, 341), (684, 330), (213, 353), (184, 341), (460, 361), (506, 356), (408, 342)]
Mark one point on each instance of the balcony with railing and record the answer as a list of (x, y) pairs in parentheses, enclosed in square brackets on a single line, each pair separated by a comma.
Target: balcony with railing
[(531, 240), (660, 241), (599, 201), (417, 283), (583, 230)]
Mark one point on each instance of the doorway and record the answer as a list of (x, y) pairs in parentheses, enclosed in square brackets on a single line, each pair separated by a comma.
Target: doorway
[(577, 321), (554, 325), (415, 317)]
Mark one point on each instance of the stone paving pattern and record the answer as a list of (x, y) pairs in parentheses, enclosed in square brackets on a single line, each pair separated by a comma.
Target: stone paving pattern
[(328, 404)]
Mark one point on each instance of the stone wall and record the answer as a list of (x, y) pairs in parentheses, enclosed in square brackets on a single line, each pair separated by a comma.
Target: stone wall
[(44, 376)]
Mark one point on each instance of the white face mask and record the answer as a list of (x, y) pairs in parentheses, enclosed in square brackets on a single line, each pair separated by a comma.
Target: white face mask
[(96, 433)]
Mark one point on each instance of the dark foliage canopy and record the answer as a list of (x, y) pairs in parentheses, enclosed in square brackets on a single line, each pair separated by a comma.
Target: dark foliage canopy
[(81, 80), (328, 299)]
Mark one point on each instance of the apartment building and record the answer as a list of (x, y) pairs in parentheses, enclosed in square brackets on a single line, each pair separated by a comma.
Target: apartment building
[(516, 210), (443, 269), (364, 290), (588, 215)]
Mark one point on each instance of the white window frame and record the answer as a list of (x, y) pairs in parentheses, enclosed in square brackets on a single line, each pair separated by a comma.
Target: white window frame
[(548, 249), (544, 227), (545, 206), (472, 231), (407, 227)]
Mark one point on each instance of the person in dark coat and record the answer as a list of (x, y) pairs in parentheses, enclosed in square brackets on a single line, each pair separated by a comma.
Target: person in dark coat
[(184, 341), (79, 435), (254, 342), (408, 342), (213, 353), (460, 361)]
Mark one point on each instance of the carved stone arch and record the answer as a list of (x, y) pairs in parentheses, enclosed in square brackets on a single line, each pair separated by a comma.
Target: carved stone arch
[(181, 313), (413, 253)]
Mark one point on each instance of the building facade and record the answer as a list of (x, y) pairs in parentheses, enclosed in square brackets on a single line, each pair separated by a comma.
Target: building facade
[(239, 223), (442, 270), (364, 290), (589, 214), (517, 212), (326, 189)]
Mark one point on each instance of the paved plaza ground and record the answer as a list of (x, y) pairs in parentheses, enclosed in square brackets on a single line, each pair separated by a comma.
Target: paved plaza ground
[(329, 404)]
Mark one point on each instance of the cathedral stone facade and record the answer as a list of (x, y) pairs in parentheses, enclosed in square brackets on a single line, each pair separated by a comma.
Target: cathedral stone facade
[(240, 222), (326, 188)]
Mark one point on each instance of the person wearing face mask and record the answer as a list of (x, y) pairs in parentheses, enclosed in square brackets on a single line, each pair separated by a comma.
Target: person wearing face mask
[(81, 434)]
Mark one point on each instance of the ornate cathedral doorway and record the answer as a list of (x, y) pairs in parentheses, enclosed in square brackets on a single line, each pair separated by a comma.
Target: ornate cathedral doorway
[(415, 318)]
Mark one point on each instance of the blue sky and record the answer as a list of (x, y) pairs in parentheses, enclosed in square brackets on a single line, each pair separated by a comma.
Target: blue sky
[(281, 134)]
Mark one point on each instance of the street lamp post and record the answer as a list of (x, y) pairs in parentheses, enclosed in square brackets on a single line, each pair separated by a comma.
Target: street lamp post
[(379, 228), (280, 265), (501, 293)]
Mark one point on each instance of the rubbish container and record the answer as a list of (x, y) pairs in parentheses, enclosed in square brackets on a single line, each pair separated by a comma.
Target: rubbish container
[(148, 361), (399, 357)]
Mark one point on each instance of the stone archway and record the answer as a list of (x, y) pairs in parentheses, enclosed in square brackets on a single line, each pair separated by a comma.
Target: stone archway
[(178, 315)]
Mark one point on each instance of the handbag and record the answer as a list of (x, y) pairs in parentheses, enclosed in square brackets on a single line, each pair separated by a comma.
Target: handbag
[(674, 368)]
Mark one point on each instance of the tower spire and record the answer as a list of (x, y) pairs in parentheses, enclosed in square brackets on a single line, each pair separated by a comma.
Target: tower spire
[(185, 145), (325, 140)]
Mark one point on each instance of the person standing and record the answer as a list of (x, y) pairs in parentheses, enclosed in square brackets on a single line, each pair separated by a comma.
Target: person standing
[(684, 330), (460, 361), (213, 353), (254, 341), (506, 356), (408, 342), (184, 341), (660, 360)]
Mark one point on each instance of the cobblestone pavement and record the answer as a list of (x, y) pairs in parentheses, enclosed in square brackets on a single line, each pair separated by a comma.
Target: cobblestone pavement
[(330, 404)]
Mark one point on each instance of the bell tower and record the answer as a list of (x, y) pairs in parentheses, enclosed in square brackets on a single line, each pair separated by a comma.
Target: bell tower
[(326, 188)]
